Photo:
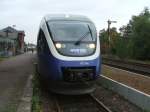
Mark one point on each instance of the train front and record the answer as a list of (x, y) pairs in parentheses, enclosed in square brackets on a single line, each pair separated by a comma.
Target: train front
[(74, 63)]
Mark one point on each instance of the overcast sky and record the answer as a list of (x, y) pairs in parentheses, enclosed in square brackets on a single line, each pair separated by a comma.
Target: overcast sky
[(27, 14)]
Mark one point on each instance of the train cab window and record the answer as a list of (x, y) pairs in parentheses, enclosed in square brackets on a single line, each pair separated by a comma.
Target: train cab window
[(71, 31), (42, 44), (39, 42)]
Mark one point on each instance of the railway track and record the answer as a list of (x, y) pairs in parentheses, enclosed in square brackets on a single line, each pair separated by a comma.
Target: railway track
[(81, 103), (136, 67), (101, 105)]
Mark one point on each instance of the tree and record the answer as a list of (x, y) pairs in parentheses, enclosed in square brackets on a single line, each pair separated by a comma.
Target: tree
[(105, 41), (140, 42), (103, 35), (126, 31), (137, 36)]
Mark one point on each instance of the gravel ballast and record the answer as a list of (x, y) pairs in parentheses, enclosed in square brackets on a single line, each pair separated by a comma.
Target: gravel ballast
[(115, 102), (137, 81)]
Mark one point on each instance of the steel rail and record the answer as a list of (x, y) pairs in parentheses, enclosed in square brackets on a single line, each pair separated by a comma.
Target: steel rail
[(100, 104), (142, 68), (58, 106), (93, 103)]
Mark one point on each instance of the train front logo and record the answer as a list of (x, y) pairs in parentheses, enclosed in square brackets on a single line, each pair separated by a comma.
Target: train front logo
[(78, 51)]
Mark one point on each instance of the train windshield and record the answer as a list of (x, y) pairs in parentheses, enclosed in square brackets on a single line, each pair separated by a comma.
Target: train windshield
[(71, 31)]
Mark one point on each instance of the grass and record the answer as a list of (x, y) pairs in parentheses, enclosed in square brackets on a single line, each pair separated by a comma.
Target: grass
[(10, 108), (36, 102), (146, 111), (1, 59)]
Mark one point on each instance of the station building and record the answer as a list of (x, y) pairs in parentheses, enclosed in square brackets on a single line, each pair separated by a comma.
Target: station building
[(11, 42)]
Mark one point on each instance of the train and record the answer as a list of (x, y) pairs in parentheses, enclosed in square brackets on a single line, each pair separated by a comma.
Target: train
[(68, 54)]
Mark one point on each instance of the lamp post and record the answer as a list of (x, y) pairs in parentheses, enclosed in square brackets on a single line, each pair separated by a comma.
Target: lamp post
[(109, 38)]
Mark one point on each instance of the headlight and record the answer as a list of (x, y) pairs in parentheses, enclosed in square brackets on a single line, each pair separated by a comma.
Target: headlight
[(92, 46), (58, 45)]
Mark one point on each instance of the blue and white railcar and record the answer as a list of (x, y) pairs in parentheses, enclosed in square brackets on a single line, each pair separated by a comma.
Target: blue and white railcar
[(68, 53)]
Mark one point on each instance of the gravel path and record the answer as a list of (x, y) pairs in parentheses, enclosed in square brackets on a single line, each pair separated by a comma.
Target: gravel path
[(13, 76)]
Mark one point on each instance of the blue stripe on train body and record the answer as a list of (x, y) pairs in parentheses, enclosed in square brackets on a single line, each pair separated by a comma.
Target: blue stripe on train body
[(50, 67)]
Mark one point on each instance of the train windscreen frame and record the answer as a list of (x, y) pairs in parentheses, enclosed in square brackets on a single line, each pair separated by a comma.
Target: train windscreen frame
[(71, 31)]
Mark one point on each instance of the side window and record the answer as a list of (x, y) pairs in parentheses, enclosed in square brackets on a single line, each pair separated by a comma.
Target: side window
[(41, 42)]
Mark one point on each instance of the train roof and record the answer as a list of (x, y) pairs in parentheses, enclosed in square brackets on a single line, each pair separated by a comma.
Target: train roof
[(52, 17)]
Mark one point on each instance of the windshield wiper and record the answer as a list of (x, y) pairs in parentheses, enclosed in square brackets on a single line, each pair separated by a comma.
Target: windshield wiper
[(81, 38), (85, 35), (90, 32)]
